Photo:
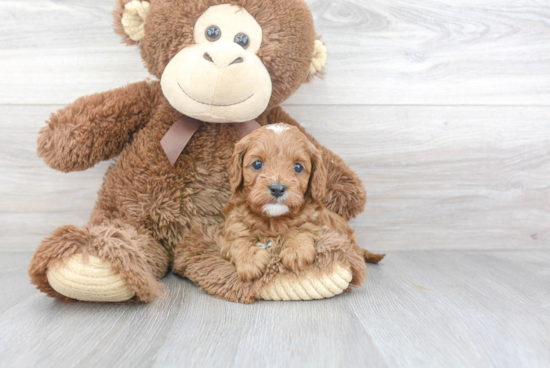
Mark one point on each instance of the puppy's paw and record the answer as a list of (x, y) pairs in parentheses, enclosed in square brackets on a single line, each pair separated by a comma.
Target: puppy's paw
[(297, 257), (252, 268)]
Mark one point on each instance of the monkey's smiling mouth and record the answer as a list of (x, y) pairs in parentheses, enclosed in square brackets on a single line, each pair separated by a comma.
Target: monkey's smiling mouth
[(207, 104)]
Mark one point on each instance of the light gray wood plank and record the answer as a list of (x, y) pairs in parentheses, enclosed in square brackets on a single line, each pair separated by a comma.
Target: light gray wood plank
[(459, 309), (268, 334), (56, 51), (437, 177), (85, 334), (380, 52), (429, 309), (444, 177), (16, 286)]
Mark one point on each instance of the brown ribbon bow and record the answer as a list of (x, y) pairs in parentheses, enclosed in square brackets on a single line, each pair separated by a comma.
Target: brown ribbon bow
[(179, 134)]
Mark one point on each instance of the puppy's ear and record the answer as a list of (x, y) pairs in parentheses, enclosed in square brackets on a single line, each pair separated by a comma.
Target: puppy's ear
[(318, 179), (235, 166)]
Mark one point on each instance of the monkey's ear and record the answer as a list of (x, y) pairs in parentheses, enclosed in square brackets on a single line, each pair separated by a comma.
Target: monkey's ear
[(318, 60), (129, 18)]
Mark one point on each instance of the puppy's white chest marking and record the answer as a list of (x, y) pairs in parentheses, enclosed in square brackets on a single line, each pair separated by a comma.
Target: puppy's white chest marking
[(277, 128), (275, 209)]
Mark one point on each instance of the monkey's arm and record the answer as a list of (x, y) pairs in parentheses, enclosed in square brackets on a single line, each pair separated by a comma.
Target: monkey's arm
[(96, 128), (346, 194)]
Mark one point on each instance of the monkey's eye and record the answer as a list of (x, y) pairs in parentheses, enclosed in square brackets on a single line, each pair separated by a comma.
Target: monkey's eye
[(213, 33), (257, 165), (298, 168), (242, 39)]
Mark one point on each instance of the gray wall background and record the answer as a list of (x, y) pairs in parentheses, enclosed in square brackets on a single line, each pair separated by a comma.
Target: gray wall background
[(442, 107)]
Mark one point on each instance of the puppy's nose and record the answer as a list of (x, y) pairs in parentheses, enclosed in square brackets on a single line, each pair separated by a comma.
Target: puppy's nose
[(277, 190)]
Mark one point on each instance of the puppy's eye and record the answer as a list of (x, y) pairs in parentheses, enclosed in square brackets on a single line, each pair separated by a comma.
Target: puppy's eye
[(257, 165), (242, 39), (298, 168), (213, 33)]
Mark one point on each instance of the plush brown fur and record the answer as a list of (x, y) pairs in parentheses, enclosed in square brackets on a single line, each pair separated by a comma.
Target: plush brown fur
[(145, 206)]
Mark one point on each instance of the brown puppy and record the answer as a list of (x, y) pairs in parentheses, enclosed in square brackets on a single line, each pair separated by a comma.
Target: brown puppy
[(278, 180)]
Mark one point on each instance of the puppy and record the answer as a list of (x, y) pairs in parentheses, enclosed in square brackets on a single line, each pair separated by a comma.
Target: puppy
[(277, 181)]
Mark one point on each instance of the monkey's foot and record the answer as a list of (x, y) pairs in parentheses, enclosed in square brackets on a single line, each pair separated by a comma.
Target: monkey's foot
[(99, 263), (92, 281), (309, 287)]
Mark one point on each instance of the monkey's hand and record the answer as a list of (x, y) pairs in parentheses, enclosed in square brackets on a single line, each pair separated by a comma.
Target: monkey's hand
[(96, 128)]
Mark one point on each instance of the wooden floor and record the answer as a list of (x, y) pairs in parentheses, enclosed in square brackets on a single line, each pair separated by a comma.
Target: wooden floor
[(443, 109), (417, 309)]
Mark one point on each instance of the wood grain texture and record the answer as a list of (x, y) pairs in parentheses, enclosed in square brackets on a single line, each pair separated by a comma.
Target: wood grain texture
[(444, 177), (437, 177), (440, 52), (429, 309), (442, 107)]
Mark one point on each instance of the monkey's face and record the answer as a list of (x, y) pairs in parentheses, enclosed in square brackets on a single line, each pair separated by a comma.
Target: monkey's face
[(220, 78), (224, 61)]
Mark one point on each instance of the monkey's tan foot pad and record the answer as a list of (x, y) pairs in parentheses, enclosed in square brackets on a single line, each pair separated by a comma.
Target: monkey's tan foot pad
[(92, 281), (309, 287)]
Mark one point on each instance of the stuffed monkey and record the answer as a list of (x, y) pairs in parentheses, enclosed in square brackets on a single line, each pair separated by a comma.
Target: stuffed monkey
[(222, 67)]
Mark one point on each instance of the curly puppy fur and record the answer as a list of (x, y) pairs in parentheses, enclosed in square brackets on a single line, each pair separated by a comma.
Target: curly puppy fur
[(276, 167), (146, 206)]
